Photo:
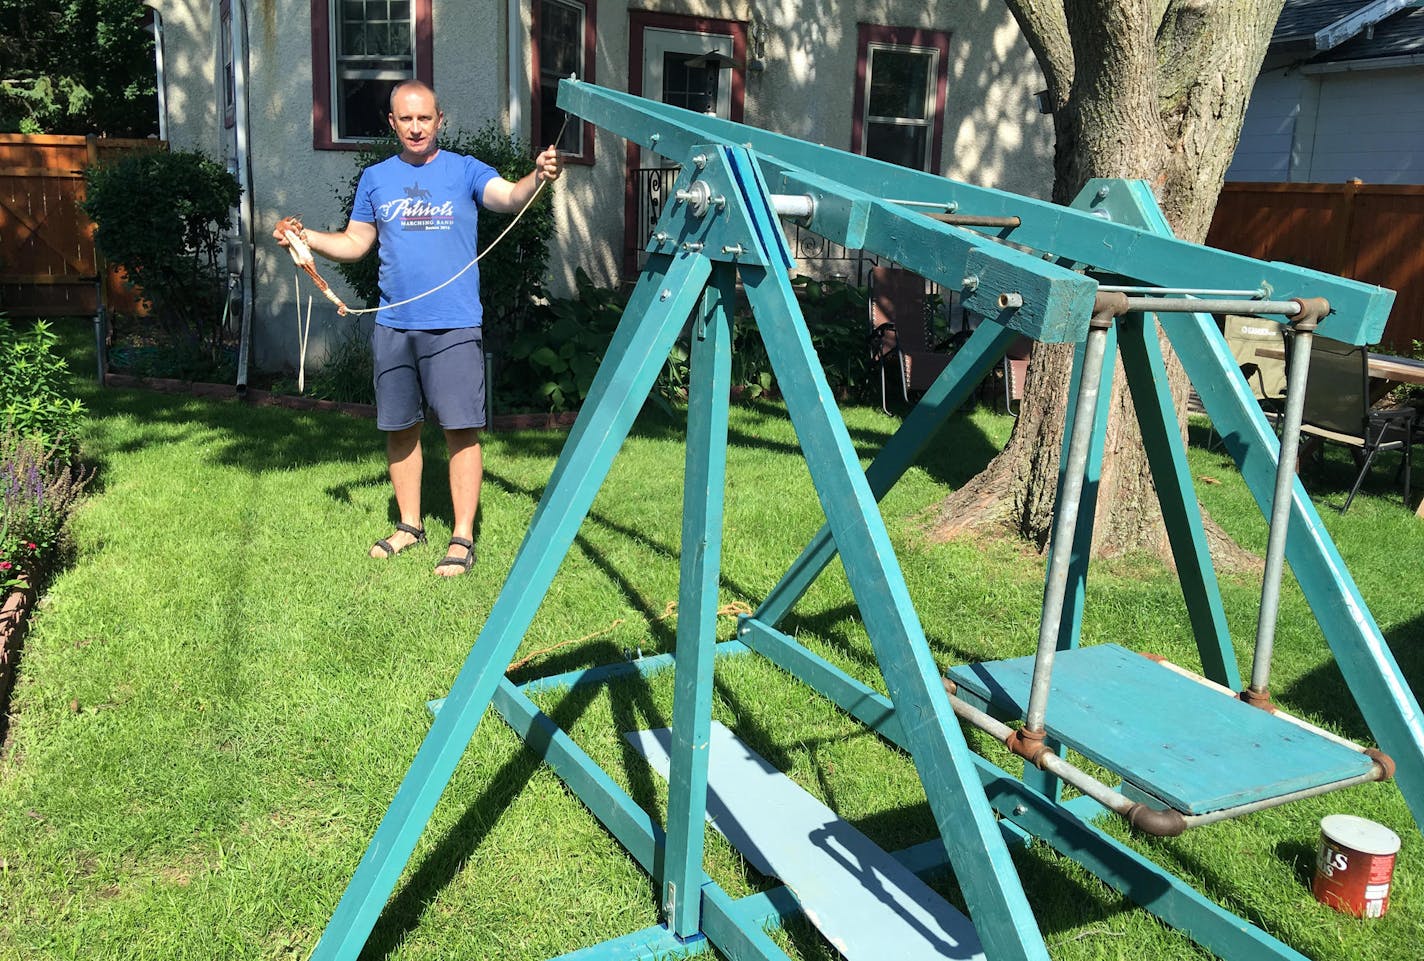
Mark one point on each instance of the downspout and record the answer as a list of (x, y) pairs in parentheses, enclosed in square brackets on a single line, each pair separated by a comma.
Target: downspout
[(514, 60), (245, 227), (161, 80)]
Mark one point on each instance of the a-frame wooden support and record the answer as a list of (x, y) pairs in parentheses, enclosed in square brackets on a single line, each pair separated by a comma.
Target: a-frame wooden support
[(722, 226), (735, 231)]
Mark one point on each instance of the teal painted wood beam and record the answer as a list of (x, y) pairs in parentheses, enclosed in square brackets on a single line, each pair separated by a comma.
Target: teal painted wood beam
[(1186, 534), (704, 487), (955, 385), (1056, 302), (1381, 691), (722, 922), (1075, 591), (991, 885), (1157, 891), (1079, 236), (650, 944), (660, 304), (608, 673)]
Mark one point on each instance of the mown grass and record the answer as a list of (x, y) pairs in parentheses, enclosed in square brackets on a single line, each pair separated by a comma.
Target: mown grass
[(217, 702)]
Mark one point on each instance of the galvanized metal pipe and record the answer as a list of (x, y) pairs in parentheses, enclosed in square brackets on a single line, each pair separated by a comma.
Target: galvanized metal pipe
[(793, 205), (1303, 334), (1195, 305), (1066, 522), (1160, 822), (1185, 291), (976, 220)]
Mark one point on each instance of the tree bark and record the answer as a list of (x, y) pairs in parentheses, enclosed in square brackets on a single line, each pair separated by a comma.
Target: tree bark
[(1145, 90)]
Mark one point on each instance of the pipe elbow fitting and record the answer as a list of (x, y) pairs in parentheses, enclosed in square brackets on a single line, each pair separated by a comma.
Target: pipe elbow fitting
[(1312, 311), (1156, 822)]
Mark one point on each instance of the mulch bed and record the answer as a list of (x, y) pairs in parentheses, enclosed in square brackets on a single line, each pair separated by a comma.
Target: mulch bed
[(14, 617)]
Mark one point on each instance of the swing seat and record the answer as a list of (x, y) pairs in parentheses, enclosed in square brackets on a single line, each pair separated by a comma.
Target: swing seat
[(1190, 746)]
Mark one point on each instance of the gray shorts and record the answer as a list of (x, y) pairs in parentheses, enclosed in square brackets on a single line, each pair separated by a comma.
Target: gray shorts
[(444, 369)]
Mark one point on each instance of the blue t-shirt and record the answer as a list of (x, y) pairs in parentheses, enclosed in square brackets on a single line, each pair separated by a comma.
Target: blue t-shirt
[(426, 218)]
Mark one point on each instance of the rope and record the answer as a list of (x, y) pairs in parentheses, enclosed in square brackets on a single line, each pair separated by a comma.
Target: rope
[(734, 609), (343, 309), (478, 257), (303, 335)]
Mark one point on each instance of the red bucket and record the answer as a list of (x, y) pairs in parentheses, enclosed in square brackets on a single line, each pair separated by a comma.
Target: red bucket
[(1355, 865)]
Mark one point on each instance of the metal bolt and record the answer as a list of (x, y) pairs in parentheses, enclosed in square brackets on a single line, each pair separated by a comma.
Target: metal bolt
[(971, 283), (720, 202), (692, 247), (1020, 809), (665, 294), (1102, 193), (654, 139), (699, 161), (662, 236), (733, 249)]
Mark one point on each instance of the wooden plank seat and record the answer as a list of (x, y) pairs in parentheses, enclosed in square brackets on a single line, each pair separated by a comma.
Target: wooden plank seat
[(1187, 744)]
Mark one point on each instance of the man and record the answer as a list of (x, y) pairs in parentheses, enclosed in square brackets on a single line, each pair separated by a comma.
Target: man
[(424, 204)]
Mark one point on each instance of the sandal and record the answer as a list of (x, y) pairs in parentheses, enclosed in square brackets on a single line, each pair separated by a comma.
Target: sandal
[(464, 563), (417, 532)]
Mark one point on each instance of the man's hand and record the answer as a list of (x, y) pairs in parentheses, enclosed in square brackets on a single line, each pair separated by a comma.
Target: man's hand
[(547, 165), (290, 233)]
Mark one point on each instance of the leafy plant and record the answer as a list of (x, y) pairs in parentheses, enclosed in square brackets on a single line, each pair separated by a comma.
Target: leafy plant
[(551, 361), (511, 273), (39, 489), (345, 375), (34, 401), (161, 216), (48, 88)]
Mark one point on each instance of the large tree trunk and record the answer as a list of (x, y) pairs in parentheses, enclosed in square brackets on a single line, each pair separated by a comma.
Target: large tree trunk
[(1147, 90)]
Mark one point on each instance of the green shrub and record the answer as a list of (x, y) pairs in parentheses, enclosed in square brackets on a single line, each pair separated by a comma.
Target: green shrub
[(511, 275), (550, 361), (34, 401), (161, 217), (39, 489)]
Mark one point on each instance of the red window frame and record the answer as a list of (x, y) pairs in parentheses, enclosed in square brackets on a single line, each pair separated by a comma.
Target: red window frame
[(322, 111), (869, 33), (590, 49)]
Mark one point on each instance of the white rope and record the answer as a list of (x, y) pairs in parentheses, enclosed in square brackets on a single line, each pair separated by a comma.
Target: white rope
[(299, 248), (478, 257), (303, 335)]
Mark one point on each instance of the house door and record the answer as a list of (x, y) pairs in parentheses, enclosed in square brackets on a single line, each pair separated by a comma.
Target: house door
[(670, 65)]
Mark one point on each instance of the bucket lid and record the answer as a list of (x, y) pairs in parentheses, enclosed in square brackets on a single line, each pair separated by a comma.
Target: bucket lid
[(1360, 834)]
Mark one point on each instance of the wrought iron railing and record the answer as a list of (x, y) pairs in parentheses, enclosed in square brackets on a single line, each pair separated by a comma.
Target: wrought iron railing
[(816, 255)]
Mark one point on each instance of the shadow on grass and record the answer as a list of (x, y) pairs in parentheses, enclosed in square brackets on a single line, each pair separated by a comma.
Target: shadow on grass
[(1324, 693)]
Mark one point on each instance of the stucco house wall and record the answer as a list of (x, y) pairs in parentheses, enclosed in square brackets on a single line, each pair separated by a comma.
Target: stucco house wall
[(993, 132)]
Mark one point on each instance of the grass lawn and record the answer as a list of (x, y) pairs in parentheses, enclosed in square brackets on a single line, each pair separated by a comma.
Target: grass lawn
[(217, 701)]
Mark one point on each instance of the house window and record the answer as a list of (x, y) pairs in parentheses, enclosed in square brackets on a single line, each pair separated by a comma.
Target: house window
[(360, 50), (563, 46), (229, 77), (901, 79)]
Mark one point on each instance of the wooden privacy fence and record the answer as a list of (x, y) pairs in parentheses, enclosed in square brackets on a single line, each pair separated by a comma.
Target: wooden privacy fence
[(48, 264), (1369, 232)]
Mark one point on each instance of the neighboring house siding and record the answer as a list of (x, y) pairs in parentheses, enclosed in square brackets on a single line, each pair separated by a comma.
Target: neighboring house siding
[(1263, 153), (1325, 124), (1370, 127)]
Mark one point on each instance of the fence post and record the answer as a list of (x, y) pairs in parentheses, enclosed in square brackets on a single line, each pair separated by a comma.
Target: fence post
[(101, 276)]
